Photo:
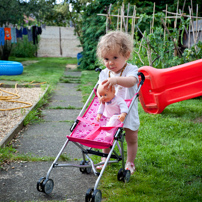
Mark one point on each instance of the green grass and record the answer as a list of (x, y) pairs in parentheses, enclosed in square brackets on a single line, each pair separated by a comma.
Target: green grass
[(88, 81), (70, 79), (9, 154), (169, 158), (48, 70)]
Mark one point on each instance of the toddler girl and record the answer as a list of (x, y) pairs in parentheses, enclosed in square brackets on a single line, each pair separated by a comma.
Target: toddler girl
[(114, 49)]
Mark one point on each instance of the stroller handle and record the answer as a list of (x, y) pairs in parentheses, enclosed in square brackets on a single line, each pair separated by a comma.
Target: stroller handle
[(142, 77)]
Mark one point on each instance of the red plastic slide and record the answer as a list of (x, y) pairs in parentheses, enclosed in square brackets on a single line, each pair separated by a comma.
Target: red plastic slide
[(163, 87)]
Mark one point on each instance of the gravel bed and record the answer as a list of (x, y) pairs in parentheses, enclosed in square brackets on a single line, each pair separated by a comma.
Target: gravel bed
[(10, 118)]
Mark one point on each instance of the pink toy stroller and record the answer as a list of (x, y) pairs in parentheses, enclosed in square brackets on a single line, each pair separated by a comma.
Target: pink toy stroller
[(89, 136)]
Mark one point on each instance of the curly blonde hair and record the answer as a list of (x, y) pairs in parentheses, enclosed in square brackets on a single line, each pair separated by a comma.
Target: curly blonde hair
[(116, 42)]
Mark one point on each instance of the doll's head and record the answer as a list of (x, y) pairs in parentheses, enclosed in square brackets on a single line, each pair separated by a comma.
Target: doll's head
[(105, 94)]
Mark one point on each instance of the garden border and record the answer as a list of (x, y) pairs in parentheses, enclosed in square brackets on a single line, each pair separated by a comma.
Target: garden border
[(19, 126)]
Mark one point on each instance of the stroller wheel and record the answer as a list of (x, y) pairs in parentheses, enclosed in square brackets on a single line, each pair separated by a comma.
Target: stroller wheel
[(88, 169), (94, 196), (88, 197), (85, 170), (126, 175), (47, 186), (39, 184), (123, 175), (82, 169), (97, 196), (120, 175)]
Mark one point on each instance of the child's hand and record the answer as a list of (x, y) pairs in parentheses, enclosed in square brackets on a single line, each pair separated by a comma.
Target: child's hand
[(122, 117), (110, 83), (98, 117)]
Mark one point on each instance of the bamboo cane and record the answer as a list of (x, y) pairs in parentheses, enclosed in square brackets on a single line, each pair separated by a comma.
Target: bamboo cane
[(127, 17), (183, 6), (165, 24), (122, 8), (153, 18), (197, 31), (117, 27), (181, 14), (175, 24), (133, 22), (192, 30), (176, 47)]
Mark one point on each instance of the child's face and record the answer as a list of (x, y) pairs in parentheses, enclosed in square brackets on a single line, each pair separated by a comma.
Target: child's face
[(115, 61), (106, 95)]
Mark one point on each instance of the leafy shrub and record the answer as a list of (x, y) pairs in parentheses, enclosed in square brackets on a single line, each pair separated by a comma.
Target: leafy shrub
[(152, 45), (24, 48), (93, 26), (160, 46), (194, 53)]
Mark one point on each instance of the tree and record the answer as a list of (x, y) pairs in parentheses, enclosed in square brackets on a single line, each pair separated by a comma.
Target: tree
[(89, 27), (13, 11)]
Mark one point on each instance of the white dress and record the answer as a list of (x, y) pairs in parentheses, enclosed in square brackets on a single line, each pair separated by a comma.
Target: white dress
[(132, 120)]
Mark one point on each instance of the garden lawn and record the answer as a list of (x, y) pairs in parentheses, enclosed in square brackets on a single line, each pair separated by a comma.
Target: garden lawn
[(47, 70), (169, 158)]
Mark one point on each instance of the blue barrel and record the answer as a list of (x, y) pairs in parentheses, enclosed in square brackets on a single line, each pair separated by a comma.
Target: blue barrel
[(9, 68), (79, 56)]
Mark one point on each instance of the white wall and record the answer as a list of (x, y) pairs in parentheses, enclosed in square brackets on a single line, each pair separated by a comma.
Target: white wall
[(49, 45)]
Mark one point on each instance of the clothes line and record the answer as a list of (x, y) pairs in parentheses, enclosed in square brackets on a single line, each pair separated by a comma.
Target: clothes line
[(12, 34)]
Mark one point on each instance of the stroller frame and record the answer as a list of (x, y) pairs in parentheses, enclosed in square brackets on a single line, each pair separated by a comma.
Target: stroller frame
[(45, 184)]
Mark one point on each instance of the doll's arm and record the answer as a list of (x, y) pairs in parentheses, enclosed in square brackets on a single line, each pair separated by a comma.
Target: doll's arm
[(100, 111), (123, 108), (98, 117), (122, 116)]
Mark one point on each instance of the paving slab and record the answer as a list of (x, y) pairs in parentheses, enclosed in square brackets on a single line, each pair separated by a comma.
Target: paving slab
[(60, 114), (72, 73), (19, 183), (46, 139), (66, 95)]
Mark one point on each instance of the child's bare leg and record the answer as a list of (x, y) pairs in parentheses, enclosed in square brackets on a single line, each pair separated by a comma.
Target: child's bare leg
[(103, 159), (132, 144), (107, 150)]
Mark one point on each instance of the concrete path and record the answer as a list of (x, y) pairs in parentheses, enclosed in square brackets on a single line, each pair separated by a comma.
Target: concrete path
[(46, 139)]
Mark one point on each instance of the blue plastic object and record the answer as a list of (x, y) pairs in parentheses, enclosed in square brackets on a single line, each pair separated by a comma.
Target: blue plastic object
[(79, 56), (9, 68)]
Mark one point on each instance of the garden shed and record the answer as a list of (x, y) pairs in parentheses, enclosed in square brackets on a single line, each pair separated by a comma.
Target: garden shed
[(193, 35)]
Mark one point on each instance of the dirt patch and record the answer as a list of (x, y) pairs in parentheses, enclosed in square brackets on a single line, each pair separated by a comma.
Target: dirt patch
[(69, 66), (198, 120), (26, 63), (10, 118)]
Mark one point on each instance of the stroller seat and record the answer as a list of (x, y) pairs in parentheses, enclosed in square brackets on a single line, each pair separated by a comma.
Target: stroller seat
[(91, 133)]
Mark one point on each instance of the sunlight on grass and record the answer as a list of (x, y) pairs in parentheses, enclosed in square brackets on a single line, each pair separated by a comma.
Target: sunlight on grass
[(168, 163), (169, 158), (48, 70)]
